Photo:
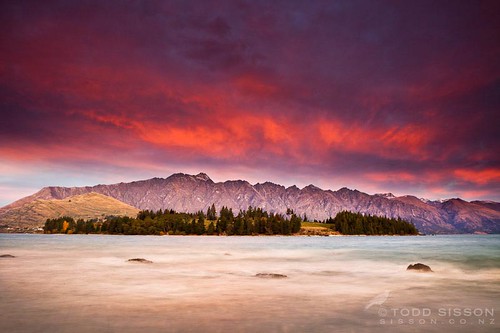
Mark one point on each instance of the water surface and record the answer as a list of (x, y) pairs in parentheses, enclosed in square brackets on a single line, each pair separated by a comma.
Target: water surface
[(83, 283)]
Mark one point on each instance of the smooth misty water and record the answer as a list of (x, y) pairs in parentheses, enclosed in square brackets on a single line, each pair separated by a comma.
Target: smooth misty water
[(82, 283)]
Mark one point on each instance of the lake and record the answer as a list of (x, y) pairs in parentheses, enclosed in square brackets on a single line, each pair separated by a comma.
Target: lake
[(84, 283)]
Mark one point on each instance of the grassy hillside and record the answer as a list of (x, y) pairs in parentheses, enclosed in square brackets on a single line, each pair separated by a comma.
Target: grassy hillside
[(317, 229), (85, 206)]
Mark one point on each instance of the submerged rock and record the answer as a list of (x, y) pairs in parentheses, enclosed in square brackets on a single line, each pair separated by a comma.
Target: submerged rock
[(7, 256), (419, 268), (141, 260), (270, 276)]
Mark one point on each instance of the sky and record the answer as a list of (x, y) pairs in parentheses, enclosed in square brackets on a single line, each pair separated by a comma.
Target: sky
[(379, 96)]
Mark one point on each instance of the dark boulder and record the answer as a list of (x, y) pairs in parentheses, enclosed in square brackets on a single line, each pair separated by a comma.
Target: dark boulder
[(141, 260), (419, 268), (270, 276), (7, 256)]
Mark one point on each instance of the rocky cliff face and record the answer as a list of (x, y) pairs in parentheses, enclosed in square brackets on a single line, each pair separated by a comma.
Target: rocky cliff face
[(190, 193)]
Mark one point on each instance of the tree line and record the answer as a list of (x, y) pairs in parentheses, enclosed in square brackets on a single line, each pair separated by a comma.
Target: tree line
[(348, 223), (253, 221)]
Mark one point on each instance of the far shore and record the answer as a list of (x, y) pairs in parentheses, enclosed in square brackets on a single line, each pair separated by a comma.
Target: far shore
[(259, 235)]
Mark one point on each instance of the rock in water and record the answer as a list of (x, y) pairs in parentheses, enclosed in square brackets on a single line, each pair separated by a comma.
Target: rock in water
[(419, 268), (7, 256), (141, 260), (270, 276)]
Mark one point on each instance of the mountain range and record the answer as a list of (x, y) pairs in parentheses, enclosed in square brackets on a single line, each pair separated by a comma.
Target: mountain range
[(191, 193)]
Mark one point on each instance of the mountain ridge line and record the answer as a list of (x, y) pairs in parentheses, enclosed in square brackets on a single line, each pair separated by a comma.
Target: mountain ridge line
[(191, 193)]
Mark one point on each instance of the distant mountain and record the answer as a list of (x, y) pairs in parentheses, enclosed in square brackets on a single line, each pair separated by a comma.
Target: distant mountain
[(34, 213), (191, 193)]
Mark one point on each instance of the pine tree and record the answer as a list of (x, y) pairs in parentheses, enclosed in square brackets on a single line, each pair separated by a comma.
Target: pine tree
[(211, 228)]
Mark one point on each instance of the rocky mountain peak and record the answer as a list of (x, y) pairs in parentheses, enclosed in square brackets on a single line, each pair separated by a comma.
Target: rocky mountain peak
[(311, 187), (386, 195), (203, 176)]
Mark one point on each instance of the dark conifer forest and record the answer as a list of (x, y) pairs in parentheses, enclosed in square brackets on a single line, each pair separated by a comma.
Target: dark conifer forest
[(253, 221)]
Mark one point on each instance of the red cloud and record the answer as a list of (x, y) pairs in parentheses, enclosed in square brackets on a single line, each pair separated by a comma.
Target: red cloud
[(385, 141), (79, 84), (252, 84), (480, 177)]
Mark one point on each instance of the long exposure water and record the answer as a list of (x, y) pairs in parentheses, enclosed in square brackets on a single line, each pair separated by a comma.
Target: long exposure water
[(84, 283)]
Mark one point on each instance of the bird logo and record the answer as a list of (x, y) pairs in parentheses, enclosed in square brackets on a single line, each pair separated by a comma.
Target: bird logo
[(378, 300)]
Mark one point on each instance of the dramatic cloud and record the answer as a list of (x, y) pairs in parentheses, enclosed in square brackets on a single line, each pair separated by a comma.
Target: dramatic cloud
[(380, 96)]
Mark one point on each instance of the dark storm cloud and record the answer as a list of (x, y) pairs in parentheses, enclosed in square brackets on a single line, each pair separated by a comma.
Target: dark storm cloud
[(356, 89)]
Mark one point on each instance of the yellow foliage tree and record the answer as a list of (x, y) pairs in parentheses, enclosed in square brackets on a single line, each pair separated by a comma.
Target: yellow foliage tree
[(65, 226)]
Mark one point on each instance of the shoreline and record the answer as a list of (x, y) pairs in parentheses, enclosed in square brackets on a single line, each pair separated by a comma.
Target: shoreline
[(260, 235)]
